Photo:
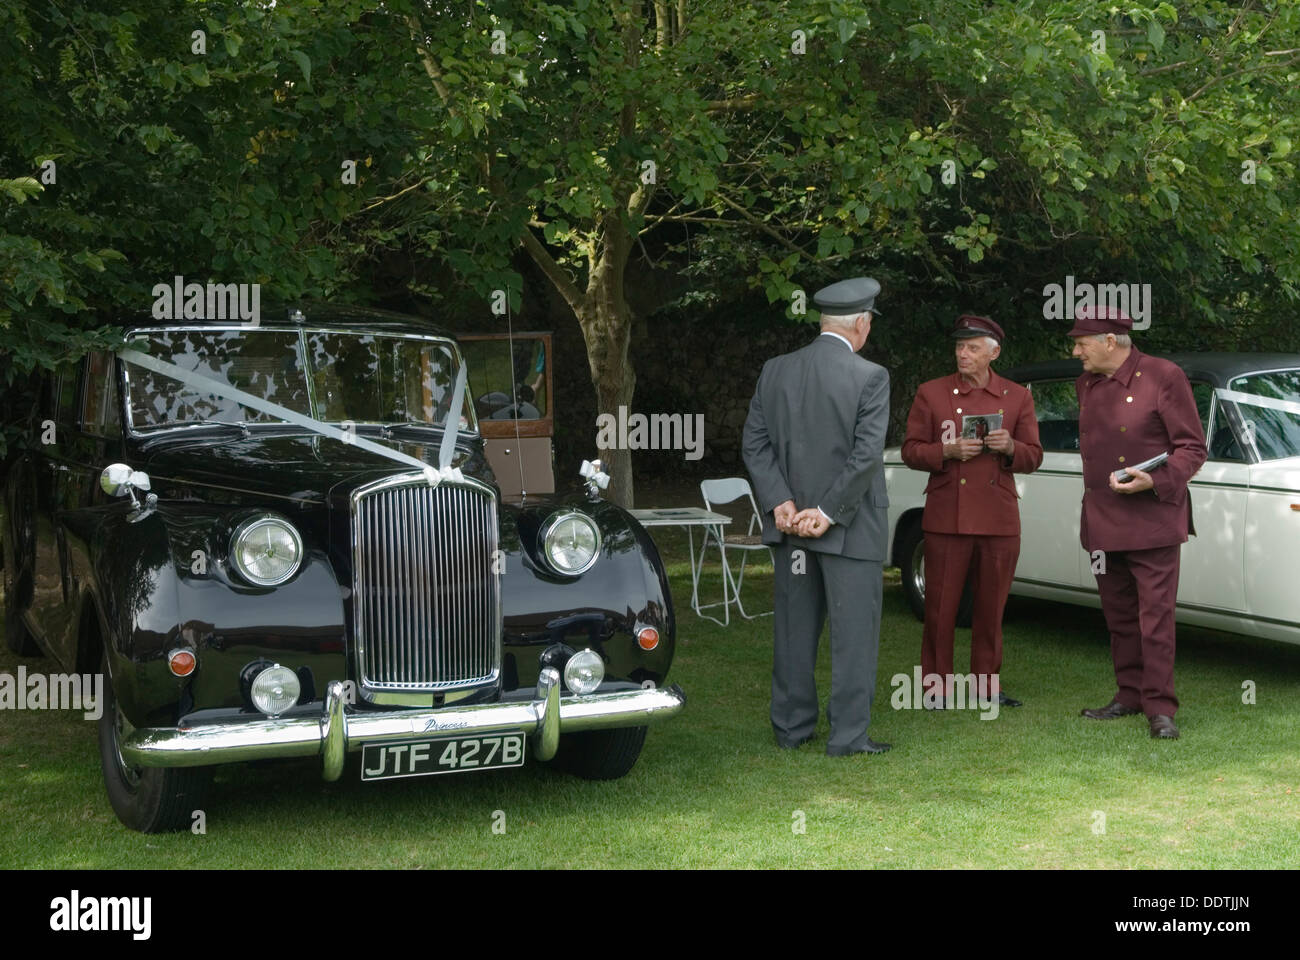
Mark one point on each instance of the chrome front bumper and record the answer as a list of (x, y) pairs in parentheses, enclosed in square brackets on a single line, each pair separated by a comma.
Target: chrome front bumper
[(339, 731)]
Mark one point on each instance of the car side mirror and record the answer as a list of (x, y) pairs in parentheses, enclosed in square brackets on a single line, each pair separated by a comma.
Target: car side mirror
[(119, 480)]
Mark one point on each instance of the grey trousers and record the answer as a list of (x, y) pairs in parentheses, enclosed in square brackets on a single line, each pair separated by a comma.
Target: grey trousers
[(808, 586)]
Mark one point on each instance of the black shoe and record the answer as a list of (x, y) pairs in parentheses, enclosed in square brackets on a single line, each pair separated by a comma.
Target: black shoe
[(870, 747), (785, 744), (1111, 711), (1005, 701), (1162, 727)]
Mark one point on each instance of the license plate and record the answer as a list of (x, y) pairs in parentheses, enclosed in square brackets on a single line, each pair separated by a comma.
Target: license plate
[(422, 758)]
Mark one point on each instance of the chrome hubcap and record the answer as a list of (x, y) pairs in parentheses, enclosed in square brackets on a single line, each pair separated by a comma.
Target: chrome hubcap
[(918, 568)]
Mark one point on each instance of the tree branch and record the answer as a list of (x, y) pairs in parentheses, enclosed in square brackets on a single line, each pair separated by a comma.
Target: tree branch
[(381, 200), (1167, 67), (572, 295), (718, 221), (430, 67), (735, 104), (766, 228), (1236, 73), (663, 25)]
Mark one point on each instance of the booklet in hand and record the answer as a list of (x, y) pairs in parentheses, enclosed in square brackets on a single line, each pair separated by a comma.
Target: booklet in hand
[(1146, 466), (978, 426)]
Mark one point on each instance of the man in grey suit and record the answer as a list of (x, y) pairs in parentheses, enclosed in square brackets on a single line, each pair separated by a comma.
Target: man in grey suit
[(813, 445)]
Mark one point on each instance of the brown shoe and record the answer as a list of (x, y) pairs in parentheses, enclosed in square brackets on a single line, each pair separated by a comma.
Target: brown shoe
[(1162, 727), (1110, 711)]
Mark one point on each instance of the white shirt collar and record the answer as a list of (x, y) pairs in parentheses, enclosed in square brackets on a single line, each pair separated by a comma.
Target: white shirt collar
[(831, 333)]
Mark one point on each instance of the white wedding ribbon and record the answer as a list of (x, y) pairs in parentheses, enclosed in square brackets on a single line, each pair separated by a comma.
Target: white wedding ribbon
[(444, 471), (1255, 400)]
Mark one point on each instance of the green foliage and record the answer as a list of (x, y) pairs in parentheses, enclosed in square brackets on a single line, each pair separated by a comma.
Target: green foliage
[(131, 158), (224, 165), (1124, 165), (968, 155)]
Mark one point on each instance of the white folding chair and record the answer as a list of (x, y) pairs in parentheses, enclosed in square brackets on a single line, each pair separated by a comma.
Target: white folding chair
[(730, 490)]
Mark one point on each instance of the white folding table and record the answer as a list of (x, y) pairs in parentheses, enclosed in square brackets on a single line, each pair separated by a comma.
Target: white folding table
[(688, 518)]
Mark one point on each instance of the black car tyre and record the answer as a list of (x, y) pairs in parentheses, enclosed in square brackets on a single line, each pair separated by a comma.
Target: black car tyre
[(911, 554), (148, 799), (17, 637), (600, 754)]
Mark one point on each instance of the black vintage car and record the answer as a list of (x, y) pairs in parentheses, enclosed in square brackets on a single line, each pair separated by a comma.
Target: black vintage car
[(284, 540)]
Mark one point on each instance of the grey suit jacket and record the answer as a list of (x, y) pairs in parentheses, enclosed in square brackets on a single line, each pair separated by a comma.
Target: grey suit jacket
[(815, 434)]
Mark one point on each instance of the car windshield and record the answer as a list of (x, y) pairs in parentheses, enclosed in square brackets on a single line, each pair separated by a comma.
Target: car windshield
[(328, 375), (1269, 405)]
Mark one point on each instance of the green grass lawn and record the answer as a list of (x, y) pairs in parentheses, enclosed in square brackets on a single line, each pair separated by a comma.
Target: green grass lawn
[(712, 789)]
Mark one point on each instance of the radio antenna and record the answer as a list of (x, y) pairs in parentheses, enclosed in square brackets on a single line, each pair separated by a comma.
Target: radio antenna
[(514, 399)]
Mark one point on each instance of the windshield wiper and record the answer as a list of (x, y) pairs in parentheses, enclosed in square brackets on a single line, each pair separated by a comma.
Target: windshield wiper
[(388, 428), (239, 424)]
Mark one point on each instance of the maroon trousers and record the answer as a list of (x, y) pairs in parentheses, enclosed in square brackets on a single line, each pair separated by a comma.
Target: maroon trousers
[(949, 557), (1138, 592)]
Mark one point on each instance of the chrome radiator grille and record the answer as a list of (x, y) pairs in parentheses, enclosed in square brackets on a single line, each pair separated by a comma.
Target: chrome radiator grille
[(426, 599)]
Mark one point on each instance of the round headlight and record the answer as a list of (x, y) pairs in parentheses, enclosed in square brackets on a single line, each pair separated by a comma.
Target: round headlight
[(571, 542), (275, 690), (584, 672), (266, 550)]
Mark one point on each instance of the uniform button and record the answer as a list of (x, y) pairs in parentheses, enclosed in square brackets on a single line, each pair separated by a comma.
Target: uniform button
[(963, 480), (1121, 459), (954, 389), (1128, 399), (959, 409), (1139, 373), (1122, 429), (999, 409), (1004, 393)]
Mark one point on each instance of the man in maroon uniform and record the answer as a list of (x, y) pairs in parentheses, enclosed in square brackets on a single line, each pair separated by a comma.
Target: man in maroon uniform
[(1131, 408), (971, 519)]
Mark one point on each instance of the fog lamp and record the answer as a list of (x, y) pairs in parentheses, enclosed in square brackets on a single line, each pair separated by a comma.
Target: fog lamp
[(275, 690), (584, 672)]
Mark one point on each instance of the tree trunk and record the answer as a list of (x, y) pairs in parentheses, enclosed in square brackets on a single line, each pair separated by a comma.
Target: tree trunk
[(602, 310), (606, 322)]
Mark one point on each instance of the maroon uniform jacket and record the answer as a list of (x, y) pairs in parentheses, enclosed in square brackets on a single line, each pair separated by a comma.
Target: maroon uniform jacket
[(978, 496), (1146, 408)]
